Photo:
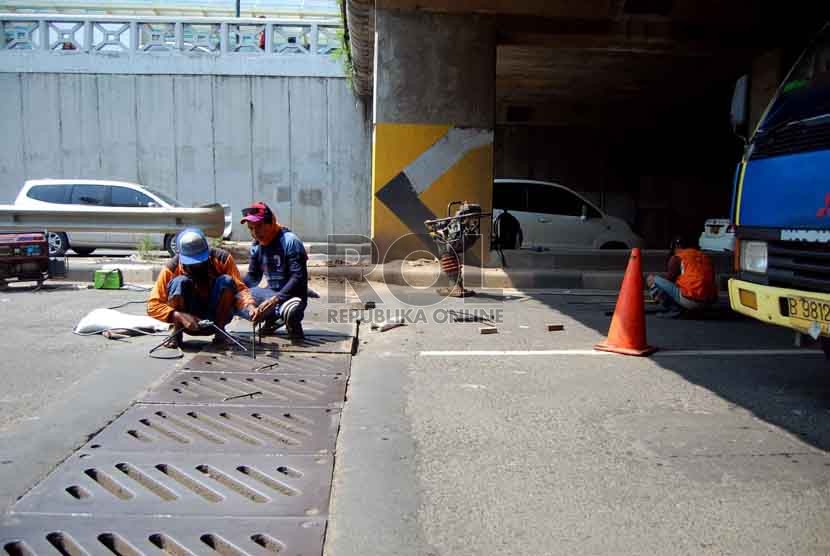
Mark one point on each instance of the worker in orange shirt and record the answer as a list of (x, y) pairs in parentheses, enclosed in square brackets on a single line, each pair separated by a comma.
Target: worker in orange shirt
[(199, 283), (689, 284)]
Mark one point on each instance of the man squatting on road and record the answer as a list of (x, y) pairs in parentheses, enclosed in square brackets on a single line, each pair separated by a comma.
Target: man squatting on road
[(279, 255), (200, 283)]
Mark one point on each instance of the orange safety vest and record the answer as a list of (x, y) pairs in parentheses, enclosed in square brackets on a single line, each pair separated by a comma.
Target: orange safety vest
[(697, 276)]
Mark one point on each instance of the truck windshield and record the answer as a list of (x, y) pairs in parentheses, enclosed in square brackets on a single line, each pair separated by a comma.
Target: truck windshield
[(806, 93)]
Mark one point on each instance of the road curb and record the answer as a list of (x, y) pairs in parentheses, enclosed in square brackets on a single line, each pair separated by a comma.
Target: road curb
[(146, 273)]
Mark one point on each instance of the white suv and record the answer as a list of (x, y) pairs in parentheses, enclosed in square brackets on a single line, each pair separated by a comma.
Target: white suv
[(99, 193)]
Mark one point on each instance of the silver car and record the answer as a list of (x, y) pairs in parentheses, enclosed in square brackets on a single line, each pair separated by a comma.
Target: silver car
[(100, 193)]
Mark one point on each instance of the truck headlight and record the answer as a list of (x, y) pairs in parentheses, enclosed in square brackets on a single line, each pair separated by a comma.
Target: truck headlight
[(754, 256)]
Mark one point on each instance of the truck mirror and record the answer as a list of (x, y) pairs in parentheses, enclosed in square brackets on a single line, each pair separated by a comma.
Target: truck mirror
[(738, 115)]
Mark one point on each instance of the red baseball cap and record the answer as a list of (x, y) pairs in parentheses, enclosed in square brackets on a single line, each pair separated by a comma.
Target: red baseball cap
[(255, 213)]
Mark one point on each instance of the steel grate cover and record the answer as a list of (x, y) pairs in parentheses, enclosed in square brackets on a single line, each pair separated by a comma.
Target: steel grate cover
[(316, 342), (250, 389), (291, 363), (184, 485), (55, 535), (221, 430)]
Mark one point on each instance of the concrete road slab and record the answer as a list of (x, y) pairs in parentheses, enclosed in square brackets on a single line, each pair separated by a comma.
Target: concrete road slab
[(122, 484), (312, 343), (250, 389), (273, 362), (192, 429), (85, 535)]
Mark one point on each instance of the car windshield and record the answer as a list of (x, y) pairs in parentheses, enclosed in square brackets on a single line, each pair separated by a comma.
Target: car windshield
[(164, 197), (805, 93)]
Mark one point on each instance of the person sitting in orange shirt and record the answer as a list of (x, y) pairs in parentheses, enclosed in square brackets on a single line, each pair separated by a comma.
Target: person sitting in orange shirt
[(689, 284)]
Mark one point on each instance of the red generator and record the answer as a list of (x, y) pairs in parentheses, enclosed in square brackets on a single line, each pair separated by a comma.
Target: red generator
[(24, 257)]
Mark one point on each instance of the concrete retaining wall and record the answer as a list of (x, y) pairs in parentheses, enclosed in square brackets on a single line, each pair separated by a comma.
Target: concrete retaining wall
[(301, 144)]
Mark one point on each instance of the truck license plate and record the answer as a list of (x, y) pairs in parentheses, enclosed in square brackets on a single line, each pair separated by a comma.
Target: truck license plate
[(809, 309)]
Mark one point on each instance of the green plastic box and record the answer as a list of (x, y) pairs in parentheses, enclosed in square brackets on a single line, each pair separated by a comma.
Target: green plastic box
[(108, 279)]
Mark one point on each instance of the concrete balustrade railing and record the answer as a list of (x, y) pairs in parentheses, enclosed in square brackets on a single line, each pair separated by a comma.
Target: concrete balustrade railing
[(234, 46)]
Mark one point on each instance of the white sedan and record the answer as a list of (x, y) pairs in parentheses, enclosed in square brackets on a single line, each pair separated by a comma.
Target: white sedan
[(552, 216)]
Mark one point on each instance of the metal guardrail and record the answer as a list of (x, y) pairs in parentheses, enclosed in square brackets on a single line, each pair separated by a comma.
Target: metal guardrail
[(112, 35), (211, 219)]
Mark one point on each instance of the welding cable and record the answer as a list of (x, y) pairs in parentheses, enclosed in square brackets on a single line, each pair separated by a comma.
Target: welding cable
[(179, 353), (135, 288), (129, 303), (136, 330), (167, 338)]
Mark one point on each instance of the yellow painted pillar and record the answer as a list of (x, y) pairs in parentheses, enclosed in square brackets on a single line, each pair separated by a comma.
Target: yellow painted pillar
[(433, 125)]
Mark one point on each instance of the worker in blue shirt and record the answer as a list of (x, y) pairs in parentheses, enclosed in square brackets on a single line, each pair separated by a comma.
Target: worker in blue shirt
[(278, 255)]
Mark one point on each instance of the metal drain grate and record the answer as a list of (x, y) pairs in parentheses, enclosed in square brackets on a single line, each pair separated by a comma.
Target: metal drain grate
[(250, 389), (313, 343), (291, 363), (184, 485), (200, 429), (51, 535)]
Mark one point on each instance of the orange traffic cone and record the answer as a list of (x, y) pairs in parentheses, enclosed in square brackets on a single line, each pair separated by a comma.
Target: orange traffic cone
[(627, 334)]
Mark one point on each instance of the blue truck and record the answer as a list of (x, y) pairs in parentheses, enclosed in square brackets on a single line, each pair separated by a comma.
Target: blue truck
[(781, 203)]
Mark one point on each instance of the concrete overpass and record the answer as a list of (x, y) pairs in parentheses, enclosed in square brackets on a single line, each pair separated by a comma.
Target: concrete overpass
[(624, 100)]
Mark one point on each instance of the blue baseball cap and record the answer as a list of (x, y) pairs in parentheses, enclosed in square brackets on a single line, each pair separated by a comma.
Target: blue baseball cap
[(193, 246)]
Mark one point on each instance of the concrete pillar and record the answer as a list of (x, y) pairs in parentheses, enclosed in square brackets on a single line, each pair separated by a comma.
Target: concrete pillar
[(434, 117)]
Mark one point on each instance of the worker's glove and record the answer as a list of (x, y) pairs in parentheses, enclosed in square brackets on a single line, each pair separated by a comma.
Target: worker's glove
[(186, 321)]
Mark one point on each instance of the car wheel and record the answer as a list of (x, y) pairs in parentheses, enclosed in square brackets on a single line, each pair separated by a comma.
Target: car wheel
[(614, 245), (58, 244), (84, 251), (170, 244)]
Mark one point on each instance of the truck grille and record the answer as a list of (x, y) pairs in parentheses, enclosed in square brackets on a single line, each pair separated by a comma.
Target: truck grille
[(797, 139), (796, 265)]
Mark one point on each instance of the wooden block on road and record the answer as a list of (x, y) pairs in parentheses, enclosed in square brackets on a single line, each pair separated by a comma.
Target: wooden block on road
[(488, 330), (556, 327)]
